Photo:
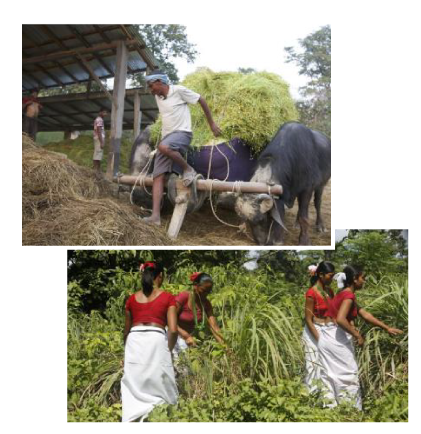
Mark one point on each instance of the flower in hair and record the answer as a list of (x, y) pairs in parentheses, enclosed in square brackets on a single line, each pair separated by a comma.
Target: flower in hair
[(194, 276), (146, 265)]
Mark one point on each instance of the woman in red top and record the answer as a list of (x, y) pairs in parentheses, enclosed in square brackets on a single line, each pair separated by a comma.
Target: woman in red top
[(336, 348), (316, 305), (148, 370), (195, 311)]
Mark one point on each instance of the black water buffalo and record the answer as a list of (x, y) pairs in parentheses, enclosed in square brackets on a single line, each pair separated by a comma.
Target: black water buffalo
[(298, 158), (140, 153)]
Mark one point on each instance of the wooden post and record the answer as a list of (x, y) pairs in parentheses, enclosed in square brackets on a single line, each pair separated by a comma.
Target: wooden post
[(117, 110), (180, 209), (137, 115)]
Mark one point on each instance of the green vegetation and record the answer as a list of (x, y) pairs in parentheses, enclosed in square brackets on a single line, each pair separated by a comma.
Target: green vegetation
[(81, 150), (314, 61), (258, 376)]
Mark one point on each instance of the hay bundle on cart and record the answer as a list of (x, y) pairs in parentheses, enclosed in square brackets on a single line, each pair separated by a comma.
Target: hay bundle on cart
[(247, 106)]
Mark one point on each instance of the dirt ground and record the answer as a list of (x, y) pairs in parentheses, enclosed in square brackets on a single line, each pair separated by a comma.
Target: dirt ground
[(203, 229)]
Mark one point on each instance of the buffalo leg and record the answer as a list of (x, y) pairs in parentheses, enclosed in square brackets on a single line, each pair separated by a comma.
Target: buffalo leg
[(303, 204), (317, 204), (297, 222), (277, 232)]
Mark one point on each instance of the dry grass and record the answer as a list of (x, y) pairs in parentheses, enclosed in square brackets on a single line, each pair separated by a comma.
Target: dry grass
[(66, 204), (91, 222)]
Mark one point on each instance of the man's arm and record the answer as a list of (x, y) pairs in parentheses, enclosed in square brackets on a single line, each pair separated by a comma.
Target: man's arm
[(215, 129)]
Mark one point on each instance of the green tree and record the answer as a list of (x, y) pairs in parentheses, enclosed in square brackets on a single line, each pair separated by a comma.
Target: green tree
[(166, 42), (95, 276), (93, 86), (377, 251), (315, 62)]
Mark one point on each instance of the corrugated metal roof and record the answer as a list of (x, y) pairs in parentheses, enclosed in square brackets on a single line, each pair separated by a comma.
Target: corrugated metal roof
[(49, 53), (78, 111)]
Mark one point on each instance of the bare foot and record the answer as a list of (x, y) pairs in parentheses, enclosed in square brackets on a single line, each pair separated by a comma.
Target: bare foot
[(152, 220), (188, 176)]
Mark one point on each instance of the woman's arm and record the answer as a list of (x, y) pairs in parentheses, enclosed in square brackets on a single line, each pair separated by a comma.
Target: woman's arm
[(367, 316), (309, 309), (183, 333), (216, 331), (343, 322), (127, 325), (172, 327)]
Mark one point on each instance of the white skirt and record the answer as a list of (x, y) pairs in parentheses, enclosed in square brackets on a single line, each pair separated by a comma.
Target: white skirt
[(148, 378), (339, 366), (311, 355), (179, 347)]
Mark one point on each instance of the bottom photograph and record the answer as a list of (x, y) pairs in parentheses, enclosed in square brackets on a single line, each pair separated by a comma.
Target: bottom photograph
[(240, 335)]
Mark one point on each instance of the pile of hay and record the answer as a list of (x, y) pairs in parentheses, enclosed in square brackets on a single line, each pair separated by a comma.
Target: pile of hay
[(27, 142), (249, 106), (91, 222), (65, 204)]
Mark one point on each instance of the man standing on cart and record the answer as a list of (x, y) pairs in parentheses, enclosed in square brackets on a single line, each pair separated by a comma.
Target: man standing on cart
[(172, 101)]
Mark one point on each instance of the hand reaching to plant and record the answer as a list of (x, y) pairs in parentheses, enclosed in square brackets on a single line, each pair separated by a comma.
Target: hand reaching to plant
[(393, 331), (190, 341), (360, 340)]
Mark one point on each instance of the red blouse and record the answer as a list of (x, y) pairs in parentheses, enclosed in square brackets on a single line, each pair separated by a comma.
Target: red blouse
[(153, 311), (335, 304), (186, 316), (321, 304)]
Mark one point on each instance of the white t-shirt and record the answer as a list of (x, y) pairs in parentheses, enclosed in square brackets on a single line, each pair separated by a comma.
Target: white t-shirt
[(174, 110)]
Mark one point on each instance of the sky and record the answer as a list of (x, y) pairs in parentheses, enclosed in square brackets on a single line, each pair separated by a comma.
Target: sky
[(248, 44)]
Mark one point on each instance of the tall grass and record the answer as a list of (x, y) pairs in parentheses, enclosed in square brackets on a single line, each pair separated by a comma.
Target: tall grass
[(262, 330), (384, 358)]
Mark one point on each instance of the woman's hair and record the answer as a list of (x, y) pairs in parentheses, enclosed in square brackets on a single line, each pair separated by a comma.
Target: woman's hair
[(324, 267), (198, 278), (150, 271), (351, 273)]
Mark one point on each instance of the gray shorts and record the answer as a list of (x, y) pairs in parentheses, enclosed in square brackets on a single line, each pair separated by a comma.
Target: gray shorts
[(177, 141)]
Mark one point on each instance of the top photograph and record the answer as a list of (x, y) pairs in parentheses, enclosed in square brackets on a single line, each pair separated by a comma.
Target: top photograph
[(176, 135)]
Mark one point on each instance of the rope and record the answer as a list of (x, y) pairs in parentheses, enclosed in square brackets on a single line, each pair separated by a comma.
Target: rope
[(214, 213), (144, 171), (237, 184), (270, 230), (141, 175)]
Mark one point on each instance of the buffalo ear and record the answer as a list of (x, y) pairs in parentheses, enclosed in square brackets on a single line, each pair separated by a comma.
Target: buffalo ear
[(274, 213), (266, 205)]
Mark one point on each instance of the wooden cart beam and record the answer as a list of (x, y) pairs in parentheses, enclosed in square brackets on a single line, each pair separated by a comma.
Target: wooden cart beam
[(209, 185), (184, 194)]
